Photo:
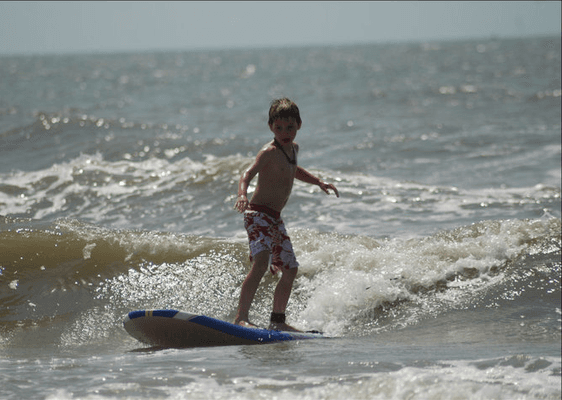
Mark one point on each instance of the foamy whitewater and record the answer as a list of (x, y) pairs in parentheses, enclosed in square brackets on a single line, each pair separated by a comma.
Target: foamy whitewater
[(436, 274)]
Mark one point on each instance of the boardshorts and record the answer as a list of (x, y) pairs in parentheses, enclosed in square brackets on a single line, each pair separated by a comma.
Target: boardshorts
[(266, 231)]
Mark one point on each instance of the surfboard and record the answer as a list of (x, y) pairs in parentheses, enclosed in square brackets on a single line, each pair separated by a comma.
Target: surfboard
[(173, 328)]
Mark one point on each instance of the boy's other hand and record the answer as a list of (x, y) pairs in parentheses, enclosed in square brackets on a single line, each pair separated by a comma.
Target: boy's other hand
[(326, 186)]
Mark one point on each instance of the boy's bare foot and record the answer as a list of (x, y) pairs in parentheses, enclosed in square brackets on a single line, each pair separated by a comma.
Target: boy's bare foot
[(246, 324), (278, 326)]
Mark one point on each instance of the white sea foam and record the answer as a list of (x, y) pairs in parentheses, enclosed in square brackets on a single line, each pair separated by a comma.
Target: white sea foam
[(347, 277)]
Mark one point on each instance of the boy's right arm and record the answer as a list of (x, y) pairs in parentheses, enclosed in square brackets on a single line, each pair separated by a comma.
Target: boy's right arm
[(242, 202), (242, 199)]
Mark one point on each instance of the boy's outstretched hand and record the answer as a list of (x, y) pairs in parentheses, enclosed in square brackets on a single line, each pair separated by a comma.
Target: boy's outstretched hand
[(326, 186)]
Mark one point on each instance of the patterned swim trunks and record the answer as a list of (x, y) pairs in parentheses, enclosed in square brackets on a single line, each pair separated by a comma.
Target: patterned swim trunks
[(266, 231)]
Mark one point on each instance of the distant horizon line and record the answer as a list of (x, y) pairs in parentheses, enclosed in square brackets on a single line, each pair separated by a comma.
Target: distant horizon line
[(273, 46)]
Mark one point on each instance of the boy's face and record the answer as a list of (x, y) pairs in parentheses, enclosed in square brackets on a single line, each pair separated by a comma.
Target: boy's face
[(285, 129)]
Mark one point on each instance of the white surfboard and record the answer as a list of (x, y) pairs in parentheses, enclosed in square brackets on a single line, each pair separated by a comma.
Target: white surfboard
[(172, 328)]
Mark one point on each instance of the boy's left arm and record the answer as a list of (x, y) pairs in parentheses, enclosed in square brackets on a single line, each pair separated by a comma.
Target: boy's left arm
[(305, 176)]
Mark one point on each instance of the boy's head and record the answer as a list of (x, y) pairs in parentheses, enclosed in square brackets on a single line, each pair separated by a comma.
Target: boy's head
[(283, 109)]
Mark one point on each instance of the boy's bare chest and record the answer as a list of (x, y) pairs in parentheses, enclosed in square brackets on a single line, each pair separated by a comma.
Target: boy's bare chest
[(279, 171)]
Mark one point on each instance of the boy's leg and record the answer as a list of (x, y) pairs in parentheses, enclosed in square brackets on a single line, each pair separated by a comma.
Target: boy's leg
[(281, 297), (250, 286)]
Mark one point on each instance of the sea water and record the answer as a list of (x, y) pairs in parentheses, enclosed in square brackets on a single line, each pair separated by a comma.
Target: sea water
[(435, 275)]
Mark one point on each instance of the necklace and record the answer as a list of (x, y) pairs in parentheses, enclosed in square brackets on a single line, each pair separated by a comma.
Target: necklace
[(278, 145)]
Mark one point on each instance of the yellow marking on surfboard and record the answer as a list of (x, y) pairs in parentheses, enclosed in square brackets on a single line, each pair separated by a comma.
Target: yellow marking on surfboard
[(148, 313)]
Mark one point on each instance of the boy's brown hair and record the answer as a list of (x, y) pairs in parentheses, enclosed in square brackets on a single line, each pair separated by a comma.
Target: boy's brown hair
[(284, 108)]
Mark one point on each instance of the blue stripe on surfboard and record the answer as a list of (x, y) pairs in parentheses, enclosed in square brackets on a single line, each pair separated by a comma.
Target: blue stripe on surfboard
[(259, 335), (153, 313)]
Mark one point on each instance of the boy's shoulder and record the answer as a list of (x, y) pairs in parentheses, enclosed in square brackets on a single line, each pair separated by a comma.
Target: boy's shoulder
[(268, 146), (266, 153), (267, 149)]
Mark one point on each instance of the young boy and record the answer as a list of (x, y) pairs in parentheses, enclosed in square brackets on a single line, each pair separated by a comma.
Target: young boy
[(276, 167)]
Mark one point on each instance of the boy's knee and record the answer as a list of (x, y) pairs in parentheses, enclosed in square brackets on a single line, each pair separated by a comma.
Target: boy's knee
[(290, 273)]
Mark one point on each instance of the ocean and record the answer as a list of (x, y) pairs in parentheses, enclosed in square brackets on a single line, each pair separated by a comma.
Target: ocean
[(435, 275)]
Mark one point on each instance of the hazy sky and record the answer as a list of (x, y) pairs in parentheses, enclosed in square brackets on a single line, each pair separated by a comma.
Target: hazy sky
[(99, 26)]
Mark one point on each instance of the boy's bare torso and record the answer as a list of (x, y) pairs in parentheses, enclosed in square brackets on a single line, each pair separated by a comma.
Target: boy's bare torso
[(275, 178)]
